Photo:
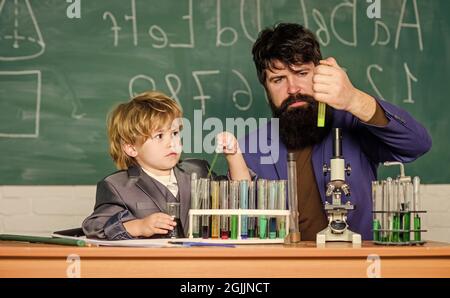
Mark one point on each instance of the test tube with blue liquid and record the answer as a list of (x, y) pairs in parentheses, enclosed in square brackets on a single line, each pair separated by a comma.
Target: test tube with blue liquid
[(243, 204)]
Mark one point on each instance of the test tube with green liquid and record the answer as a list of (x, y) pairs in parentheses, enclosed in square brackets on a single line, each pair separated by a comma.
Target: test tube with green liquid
[(376, 223), (224, 219), (272, 196), (396, 209), (281, 206), (215, 219), (408, 190), (262, 205), (243, 204), (384, 214), (251, 205), (234, 204), (389, 201), (321, 114)]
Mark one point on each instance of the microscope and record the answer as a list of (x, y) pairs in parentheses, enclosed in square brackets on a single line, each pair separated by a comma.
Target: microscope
[(337, 229)]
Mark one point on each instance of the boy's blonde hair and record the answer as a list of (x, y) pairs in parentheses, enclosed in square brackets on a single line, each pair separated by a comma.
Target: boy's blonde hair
[(134, 121)]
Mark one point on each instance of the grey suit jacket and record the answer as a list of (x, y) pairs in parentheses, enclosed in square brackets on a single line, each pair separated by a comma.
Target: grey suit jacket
[(132, 194)]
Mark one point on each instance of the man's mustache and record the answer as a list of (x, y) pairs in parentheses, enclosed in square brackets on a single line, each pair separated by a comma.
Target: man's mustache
[(296, 98)]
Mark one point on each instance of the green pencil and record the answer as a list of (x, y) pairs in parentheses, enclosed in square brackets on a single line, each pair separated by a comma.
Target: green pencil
[(47, 240)]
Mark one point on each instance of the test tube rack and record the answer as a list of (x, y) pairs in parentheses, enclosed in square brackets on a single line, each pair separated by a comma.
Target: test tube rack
[(396, 207), (396, 237), (239, 213)]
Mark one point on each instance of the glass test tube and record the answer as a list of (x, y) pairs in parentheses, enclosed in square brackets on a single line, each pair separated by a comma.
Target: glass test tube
[(376, 225), (251, 205), (396, 209), (205, 200), (271, 203), (406, 221), (234, 204), (389, 201), (195, 204), (416, 202), (384, 215), (262, 205), (224, 225), (243, 204), (292, 194), (215, 219), (281, 206)]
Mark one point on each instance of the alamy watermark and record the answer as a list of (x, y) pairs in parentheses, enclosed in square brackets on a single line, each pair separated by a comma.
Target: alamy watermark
[(262, 135), (374, 9), (74, 268), (374, 269), (73, 11)]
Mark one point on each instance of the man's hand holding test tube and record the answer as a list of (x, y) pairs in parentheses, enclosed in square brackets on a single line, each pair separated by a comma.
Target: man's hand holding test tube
[(332, 86)]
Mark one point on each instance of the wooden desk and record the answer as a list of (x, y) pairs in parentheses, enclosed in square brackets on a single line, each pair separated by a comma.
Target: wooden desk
[(302, 260)]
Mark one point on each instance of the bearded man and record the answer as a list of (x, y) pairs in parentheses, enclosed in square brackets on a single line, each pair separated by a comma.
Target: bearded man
[(290, 66)]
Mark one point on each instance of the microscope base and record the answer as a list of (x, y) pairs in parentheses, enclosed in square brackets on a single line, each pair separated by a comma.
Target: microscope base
[(326, 235)]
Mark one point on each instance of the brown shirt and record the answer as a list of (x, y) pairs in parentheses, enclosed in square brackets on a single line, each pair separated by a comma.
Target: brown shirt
[(312, 217)]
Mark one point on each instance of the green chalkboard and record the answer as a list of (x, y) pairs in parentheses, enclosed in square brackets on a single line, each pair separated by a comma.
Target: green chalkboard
[(59, 76)]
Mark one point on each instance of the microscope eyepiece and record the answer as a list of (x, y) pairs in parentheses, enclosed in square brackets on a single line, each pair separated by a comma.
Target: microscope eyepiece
[(337, 143)]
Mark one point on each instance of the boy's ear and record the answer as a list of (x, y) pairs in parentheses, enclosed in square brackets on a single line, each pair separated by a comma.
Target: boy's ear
[(130, 150)]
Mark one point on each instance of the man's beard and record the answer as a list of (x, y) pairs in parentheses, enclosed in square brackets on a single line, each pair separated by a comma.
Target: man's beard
[(298, 126)]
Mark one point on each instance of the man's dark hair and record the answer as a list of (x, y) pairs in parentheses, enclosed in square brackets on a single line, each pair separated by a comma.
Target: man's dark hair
[(289, 43)]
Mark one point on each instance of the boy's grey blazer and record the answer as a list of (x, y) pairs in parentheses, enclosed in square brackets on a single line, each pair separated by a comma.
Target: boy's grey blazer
[(132, 194)]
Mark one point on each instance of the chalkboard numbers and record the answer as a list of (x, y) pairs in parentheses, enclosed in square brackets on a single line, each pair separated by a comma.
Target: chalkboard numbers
[(247, 92), (154, 31), (369, 77), (202, 97), (409, 77), (140, 77), (173, 91)]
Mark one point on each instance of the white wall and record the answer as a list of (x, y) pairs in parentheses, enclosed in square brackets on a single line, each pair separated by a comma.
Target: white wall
[(44, 209)]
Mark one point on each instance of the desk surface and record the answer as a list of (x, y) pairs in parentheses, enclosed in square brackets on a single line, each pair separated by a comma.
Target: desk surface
[(300, 260)]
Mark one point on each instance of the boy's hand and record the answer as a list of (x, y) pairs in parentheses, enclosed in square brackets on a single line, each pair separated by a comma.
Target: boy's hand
[(156, 223), (226, 143)]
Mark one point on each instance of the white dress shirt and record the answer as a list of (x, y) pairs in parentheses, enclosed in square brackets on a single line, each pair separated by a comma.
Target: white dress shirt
[(169, 181)]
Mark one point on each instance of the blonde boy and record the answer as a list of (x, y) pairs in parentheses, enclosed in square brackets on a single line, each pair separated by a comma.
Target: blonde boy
[(145, 144)]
